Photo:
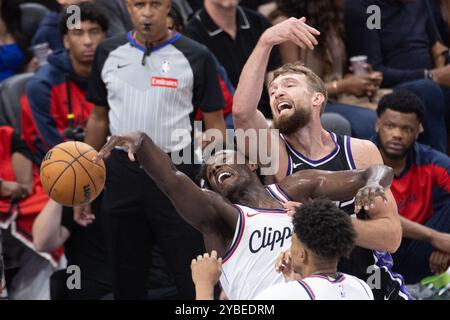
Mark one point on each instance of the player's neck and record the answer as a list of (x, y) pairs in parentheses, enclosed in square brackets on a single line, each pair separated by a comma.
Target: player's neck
[(82, 70), (312, 141), (255, 196), (327, 270)]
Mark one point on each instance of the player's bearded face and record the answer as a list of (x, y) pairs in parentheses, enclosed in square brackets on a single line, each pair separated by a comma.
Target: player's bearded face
[(290, 100), (288, 124)]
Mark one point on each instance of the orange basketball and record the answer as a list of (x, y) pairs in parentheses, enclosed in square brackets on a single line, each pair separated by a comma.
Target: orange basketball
[(69, 176)]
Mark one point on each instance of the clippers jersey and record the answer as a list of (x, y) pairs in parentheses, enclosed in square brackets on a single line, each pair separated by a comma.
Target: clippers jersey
[(249, 265), (374, 267), (319, 287)]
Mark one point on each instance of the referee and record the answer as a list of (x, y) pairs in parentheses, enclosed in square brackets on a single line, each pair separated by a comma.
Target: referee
[(152, 80)]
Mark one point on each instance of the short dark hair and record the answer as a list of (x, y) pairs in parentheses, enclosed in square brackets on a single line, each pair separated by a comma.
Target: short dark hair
[(402, 101), (89, 11), (324, 229)]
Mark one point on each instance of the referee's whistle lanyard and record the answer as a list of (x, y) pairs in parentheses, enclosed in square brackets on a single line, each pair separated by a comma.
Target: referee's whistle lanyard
[(148, 46), (147, 51)]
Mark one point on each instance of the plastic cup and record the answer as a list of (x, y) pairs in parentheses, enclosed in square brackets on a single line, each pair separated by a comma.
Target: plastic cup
[(359, 65), (41, 52)]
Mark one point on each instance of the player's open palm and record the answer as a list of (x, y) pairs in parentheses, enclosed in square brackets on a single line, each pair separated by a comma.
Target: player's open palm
[(365, 198), (131, 142)]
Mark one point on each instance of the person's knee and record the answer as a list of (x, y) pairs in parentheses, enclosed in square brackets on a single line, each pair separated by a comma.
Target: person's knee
[(429, 91)]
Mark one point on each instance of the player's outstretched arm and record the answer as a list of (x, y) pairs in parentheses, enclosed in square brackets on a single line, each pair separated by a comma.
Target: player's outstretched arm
[(365, 184), (204, 210), (251, 82)]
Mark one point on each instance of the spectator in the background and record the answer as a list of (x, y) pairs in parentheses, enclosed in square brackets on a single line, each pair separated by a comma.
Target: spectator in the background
[(13, 44), (21, 199), (119, 20), (176, 22), (418, 169), (48, 30), (330, 62), (56, 93), (83, 247), (402, 50), (231, 32)]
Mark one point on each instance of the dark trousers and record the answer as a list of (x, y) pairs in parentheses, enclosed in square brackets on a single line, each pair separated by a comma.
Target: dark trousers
[(411, 259), (138, 214)]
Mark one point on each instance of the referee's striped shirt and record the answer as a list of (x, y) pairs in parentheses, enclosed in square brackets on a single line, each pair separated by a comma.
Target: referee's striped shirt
[(160, 97)]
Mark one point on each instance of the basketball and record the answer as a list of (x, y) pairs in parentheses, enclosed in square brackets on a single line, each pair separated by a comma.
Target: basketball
[(69, 176)]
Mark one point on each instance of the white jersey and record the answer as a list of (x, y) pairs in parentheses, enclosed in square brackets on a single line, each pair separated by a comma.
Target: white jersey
[(319, 287), (249, 265)]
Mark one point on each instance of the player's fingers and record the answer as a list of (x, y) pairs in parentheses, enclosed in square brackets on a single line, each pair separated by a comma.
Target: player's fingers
[(292, 37), (214, 254), (220, 262), (193, 262), (300, 36), (206, 255), (131, 155), (358, 201), (365, 198), (199, 257), (302, 28), (312, 30), (105, 151)]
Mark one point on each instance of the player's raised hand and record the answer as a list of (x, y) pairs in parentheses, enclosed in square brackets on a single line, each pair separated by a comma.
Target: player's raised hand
[(292, 29), (284, 265), (206, 272), (131, 141), (365, 198), (291, 207)]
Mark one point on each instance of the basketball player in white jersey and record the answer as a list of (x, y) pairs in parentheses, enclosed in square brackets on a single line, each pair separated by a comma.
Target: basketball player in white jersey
[(241, 219), (322, 235)]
